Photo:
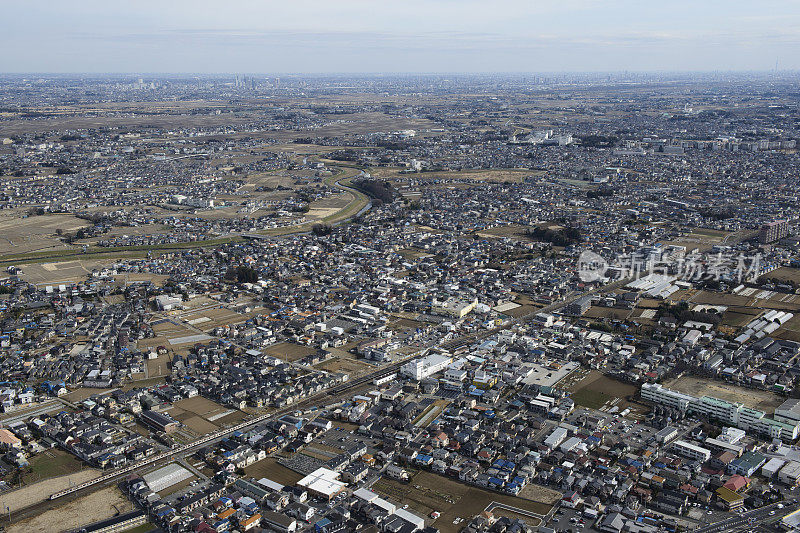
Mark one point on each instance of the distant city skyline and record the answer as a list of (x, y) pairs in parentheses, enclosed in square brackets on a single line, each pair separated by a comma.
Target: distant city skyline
[(359, 36)]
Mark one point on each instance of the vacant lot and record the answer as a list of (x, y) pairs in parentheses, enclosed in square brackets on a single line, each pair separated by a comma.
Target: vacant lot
[(42, 490), (513, 231), (757, 399), (288, 351), (428, 492), (784, 274), (34, 234), (345, 364), (202, 415), (596, 389), (790, 330), (55, 272), (700, 238), (271, 469), (53, 463), (86, 510)]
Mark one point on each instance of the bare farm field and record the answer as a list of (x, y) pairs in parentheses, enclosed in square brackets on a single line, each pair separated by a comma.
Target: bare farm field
[(754, 398), (94, 507), (427, 492), (54, 272), (37, 233), (271, 469), (785, 274), (287, 351), (596, 390), (40, 491), (348, 365), (203, 416)]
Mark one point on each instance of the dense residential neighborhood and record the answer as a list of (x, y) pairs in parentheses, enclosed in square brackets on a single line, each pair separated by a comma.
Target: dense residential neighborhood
[(453, 304)]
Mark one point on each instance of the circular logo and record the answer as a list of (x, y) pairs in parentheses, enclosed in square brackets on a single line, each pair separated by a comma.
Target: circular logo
[(591, 266)]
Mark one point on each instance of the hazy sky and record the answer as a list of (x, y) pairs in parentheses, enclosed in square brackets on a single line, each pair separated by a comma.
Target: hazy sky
[(306, 36)]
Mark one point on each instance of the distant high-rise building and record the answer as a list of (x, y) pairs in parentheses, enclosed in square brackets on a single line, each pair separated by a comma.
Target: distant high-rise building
[(773, 231)]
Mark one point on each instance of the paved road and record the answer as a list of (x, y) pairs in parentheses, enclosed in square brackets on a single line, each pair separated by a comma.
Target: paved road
[(746, 520)]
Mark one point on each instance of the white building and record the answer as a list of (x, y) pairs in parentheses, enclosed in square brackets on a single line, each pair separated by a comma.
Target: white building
[(425, 366), (691, 451)]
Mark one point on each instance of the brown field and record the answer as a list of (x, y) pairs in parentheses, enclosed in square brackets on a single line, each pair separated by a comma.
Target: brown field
[(596, 389), (94, 507), (428, 492), (513, 231), (413, 253), (739, 316), (271, 469), (754, 398), (790, 330), (54, 271), (607, 312), (348, 365), (700, 238), (195, 413), (785, 274), (36, 233), (53, 463), (287, 351), (40, 491), (208, 319)]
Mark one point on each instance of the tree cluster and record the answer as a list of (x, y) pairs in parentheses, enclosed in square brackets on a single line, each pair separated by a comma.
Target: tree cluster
[(557, 237), (381, 190)]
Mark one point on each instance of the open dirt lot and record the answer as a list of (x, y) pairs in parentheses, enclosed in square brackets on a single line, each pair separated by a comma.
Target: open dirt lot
[(345, 364), (52, 463), (428, 492), (42, 490), (92, 508), (700, 238), (202, 415), (757, 399), (596, 390), (287, 351), (271, 469), (33, 234), (785, 274), (71, 270)]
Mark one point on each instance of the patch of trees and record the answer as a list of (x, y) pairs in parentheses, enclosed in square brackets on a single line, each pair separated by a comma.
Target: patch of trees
[(601, 192), (303, 140), (681, 313), (320, 230), (601, 326), (344, 155), (378, 189), (717, 213), (556, 237), (598, 141), (392, 145), (242, 274)]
